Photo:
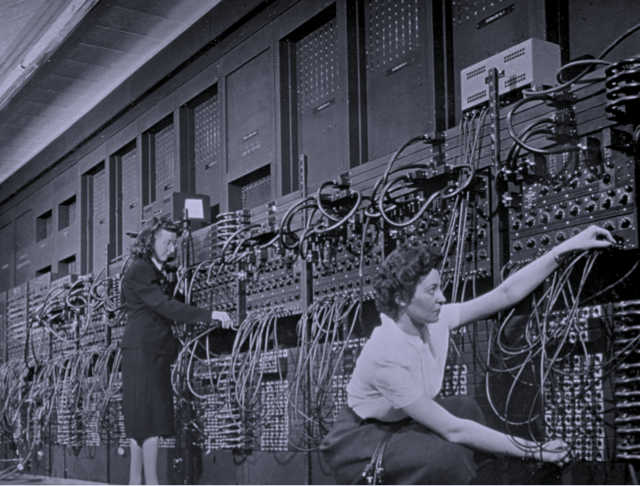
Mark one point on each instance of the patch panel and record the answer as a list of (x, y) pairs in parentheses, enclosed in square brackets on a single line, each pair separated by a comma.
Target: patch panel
[(627, 392), (38, 349), (467, 250), (225, 424), (218, 292), (596, 188), (274, 429), (274, 283), (454, 381), (574, 407), (17, 309), (339, 266)]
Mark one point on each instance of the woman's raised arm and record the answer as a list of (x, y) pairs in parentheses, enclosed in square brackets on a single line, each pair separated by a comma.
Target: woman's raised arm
[(526, 280)]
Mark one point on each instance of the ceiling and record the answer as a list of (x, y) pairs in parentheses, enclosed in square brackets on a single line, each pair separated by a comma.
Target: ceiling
[(60, 58)]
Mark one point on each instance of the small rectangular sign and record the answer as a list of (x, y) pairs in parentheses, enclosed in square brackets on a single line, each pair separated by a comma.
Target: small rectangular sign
[(324, 106), (496, 16)]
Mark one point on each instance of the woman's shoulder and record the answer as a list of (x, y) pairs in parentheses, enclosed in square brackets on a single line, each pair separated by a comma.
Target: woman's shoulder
[(137, 269), (385, 345), (450, 315)]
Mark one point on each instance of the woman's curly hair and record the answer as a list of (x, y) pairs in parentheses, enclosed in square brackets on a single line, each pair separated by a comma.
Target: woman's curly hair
[(143, 246), (400, 274)]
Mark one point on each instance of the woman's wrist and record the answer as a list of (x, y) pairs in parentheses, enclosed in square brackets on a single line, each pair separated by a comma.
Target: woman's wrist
[(561, 255), (533, 453)]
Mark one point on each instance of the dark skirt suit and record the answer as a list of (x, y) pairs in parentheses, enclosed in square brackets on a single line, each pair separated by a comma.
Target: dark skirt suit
[(148, 351)]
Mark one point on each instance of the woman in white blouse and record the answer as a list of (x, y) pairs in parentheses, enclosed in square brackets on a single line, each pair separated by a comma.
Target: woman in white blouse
[(400, 371)]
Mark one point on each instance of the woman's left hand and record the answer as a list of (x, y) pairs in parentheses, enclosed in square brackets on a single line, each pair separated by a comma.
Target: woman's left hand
[(591, 238)]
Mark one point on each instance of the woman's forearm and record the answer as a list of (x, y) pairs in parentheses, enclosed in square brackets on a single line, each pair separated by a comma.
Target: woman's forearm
[(479, 437), (476, 436), (523, 282)]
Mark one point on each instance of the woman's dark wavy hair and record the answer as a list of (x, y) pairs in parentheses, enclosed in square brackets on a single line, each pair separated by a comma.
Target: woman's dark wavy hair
[(400, 274), (143, 246)]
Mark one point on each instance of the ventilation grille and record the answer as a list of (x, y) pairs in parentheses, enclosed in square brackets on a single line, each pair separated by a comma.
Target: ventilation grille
[(477, 72), (394, 31), (206, 117), (316, 65), (130, 177), (165, 153), (515, 55), (514, 80), (477, 96)]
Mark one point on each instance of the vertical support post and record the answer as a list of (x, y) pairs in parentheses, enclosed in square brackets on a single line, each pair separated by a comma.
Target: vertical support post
[(306, 294), (307, 286), (496, 226)]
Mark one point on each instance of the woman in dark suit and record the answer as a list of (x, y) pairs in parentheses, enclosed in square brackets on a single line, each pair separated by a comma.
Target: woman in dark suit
[(148, 345)]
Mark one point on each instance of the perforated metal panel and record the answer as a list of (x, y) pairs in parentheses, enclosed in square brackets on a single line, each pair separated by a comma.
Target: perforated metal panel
[(165, 154), (475, 10), (401, 73), (256, 193), (206, 117), (250, 107), (99, 218), (321, 107), (130, 208), (394, 32), (130, 181), (99, 201), (317, 65), (6, 257)]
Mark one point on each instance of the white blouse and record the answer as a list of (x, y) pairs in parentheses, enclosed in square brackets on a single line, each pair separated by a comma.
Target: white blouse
[(395, 369)]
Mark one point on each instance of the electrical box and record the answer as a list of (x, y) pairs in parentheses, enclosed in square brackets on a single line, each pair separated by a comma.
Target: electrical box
[(198, 207), (532, 62)]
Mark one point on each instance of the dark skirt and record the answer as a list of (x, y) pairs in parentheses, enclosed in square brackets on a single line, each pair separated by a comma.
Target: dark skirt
[(414, 454), (147, 397)]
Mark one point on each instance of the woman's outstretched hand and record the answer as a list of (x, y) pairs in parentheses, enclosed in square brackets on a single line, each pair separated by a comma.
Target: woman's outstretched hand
[(225, 319), (592, 238), (557, 452)]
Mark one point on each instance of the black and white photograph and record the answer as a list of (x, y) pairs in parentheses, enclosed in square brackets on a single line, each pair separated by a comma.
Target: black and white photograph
[(319, 242)]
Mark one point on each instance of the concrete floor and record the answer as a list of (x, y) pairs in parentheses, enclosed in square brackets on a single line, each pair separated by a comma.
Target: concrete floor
[(20, 479)]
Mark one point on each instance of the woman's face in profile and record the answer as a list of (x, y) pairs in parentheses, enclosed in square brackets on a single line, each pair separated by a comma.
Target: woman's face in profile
[(427, 300), (164, 245)]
